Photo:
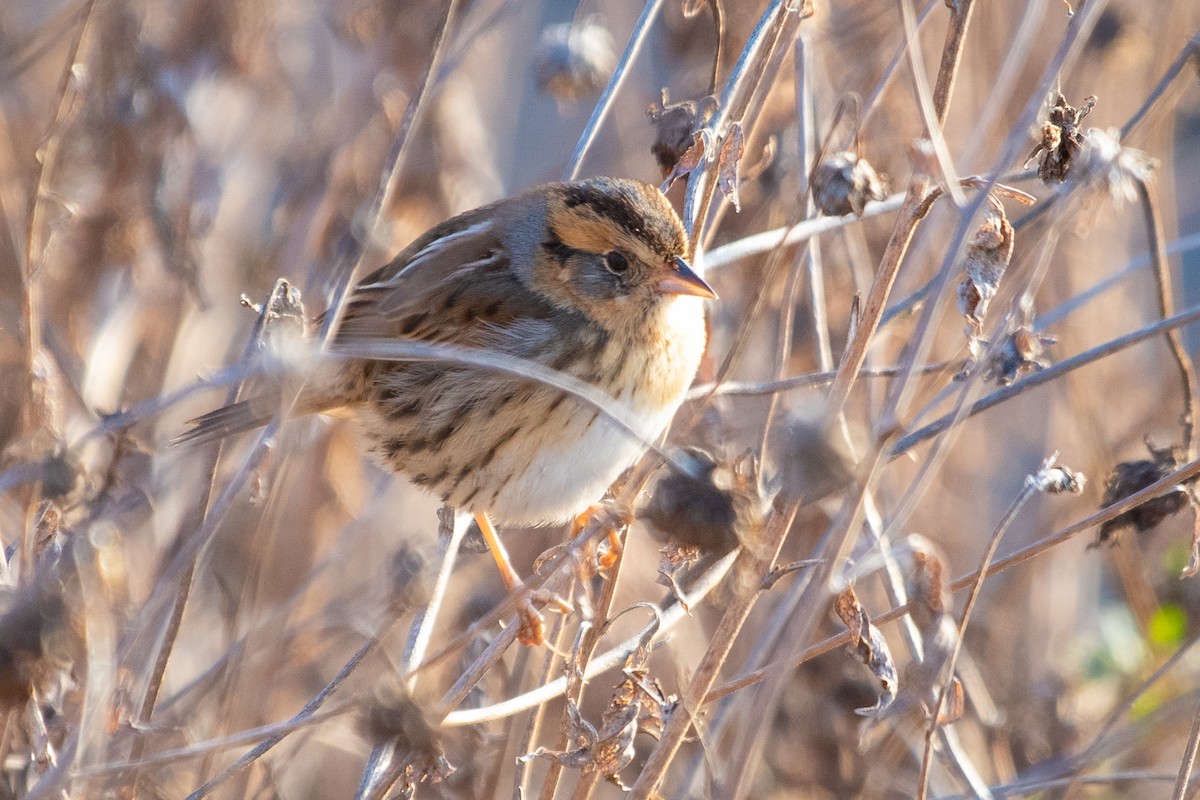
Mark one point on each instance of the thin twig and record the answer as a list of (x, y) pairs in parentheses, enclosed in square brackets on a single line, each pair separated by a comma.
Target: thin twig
[(935, 715), (636, 39), (1156, 489), (307, 711), (1189, 759), (1166, 306), (1190, 51), (906, 443)]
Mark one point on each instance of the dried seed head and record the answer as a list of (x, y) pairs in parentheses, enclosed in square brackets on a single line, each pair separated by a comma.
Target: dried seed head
[(393, 716), (809, 458), (1103, 161), (843, 183), (1020, 354), (409, 578), (38, 636), (675, 124), (1060, 140), (574, 60), (1130, 477), (711, 506)]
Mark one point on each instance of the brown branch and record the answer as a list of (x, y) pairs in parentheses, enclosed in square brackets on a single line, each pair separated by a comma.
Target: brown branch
[(1166, 306), (906, 443)]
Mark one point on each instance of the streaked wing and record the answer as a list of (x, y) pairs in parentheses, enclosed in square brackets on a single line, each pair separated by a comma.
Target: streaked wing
[(454, 284)]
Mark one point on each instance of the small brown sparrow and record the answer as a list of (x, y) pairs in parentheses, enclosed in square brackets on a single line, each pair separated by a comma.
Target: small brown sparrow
[(586, 278)]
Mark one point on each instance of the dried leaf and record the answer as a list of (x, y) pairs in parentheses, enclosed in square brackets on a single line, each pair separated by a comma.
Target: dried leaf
[(1130, 477), (676, 127), (954, 705), (688, 161), (732, 147), (868, 648), (987, 257)]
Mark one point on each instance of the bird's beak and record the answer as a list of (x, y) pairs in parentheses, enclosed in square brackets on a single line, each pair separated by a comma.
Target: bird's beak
[(681, 280)]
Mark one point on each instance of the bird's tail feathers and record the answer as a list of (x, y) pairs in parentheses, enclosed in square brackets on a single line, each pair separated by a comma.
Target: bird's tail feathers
[(244, 416)]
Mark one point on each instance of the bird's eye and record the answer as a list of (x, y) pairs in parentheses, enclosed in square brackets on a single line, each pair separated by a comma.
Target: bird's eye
[(616, 262)]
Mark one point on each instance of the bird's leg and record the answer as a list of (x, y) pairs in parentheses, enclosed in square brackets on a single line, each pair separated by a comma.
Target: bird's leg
[(606, 559), (531, 630)]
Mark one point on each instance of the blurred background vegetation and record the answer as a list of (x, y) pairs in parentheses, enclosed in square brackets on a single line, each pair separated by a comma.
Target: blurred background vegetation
[(161, 159)]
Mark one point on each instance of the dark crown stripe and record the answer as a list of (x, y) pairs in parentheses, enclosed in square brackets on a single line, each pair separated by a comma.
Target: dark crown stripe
[(615, 204), (558, 249)]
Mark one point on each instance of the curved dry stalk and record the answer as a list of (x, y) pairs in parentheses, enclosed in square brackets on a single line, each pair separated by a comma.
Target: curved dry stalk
[(935, 714), (452, 529), (1166, 306)]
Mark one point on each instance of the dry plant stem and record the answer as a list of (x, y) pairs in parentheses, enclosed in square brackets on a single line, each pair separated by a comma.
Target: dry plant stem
[(1156, 489), (33, 412), (722, 643), (765, 241), (932, 119), (905, 227), (451, 530), (636, 39), (906, 443), (610, 659), (1166, 305), (889, 72), (1190, 51), (750, 70), (1189, 759), (1022, 498), (310, 708), (192, 751), (574, 694), (1045, 320), (740, 389), (35, 234), (536, 721), (382, 771), (390, 176)]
